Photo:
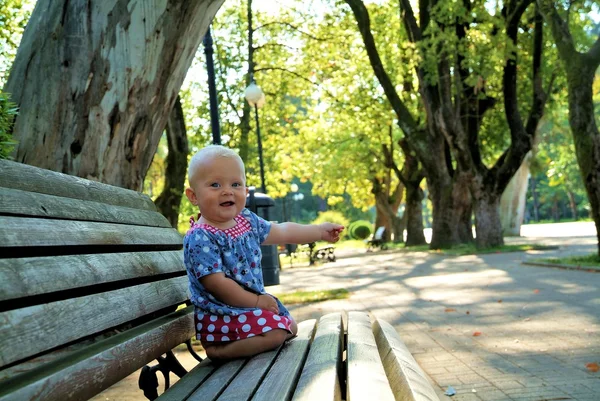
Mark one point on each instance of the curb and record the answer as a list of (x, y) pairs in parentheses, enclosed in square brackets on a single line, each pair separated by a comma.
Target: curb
[(564, 267)]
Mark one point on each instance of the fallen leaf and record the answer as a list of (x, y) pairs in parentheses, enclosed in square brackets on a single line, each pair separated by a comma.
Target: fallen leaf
[(592, 367), (476, 333), (449, 310), (499, 301), (536, 291)]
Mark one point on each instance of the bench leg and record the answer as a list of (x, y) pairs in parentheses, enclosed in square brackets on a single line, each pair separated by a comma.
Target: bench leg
[(148, 381)]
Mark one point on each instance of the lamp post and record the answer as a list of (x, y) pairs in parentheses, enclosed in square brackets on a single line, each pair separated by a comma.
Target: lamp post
[(256, 98), (212, 89)]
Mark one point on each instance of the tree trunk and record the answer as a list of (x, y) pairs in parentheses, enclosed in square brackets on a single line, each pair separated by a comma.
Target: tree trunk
[(573, 205), (580, 69), (487, 216), (536, 202), (512, 202), (462, 206), (95, 82), (176, 164), (386, 212), (414, 216)]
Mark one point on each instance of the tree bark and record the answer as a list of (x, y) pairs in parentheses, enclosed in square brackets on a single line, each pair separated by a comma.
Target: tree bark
[(580, 69), (169, 200), (512, 202), (95, 82), (487, 215)]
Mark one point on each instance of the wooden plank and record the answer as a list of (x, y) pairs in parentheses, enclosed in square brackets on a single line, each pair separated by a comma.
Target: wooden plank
[(83, 374), (407, 379), (43, 327), (247, 381), (28, 232), (33, 179), (217, 382), (190, 382), (22, 203), (366, 376), (25, 277), (319, 379), (281, 380)]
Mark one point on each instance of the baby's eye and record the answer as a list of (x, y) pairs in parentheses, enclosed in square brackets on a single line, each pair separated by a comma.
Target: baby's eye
[(215, 185), (236, 185)]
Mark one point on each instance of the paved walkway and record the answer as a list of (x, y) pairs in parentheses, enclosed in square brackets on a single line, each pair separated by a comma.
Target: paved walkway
[(487, 325)]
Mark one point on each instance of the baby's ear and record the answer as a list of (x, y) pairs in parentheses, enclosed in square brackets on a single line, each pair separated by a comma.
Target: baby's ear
[(191, 195)]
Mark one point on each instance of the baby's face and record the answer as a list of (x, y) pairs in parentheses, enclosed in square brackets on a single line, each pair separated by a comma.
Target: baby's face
[(219, 189)]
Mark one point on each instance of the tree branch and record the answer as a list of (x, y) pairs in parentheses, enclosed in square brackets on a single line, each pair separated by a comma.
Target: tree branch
[(405, 119), (295, 28), (297, 76), (274, 45)]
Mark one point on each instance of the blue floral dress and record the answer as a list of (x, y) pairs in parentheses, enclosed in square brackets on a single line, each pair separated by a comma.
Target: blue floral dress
[(236, 253)]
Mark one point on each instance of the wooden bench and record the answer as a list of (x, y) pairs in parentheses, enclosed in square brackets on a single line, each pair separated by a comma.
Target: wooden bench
[(91, 276), (337, 358), (377, 240)]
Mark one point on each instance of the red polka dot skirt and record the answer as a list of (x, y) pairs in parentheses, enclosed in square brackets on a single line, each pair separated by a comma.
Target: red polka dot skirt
[(231, 328)]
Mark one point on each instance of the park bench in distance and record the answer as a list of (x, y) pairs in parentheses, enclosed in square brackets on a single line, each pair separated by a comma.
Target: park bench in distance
[(377, 240), (91, 276)]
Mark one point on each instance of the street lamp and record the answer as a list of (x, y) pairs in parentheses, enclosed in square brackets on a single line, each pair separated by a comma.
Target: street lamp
[(256, 98), (212, 89)]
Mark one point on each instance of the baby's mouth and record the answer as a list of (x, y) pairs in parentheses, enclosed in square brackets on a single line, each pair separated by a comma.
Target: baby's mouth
[(227, 204)]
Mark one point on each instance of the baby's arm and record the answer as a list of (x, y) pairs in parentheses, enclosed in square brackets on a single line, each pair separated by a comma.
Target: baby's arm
[(292, 233), (231, 293)]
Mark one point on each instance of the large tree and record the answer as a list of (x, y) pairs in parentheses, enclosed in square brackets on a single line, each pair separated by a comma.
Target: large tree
[(96, 80), (452, 89), (581, 70)]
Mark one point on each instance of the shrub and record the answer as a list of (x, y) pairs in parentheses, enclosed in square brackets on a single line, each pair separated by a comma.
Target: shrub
[(360, 229), (8, 111), (333, 216)]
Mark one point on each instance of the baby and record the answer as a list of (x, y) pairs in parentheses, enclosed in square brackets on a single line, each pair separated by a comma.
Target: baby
[(234, 316)]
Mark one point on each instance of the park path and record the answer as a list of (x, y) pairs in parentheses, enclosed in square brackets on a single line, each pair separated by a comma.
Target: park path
[(487, 325)]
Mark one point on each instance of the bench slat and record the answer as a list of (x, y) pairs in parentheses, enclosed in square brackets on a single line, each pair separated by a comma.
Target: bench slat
[(364, 363), (29, 276), (320, 377), (33, 179), (280, 381), (86, 373), (245, 383), (188, 383), (43, 327), (28, 232), (217, 382), (407, 379), (21, 203)]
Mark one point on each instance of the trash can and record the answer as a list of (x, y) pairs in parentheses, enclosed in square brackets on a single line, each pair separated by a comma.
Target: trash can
[(260, 203)]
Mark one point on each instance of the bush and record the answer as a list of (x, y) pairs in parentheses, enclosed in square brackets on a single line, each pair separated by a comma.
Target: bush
[(8, 111), (333, 216), (360, 229)]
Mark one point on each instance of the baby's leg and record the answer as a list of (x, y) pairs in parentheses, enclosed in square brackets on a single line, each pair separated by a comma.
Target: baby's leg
[(248, 346)]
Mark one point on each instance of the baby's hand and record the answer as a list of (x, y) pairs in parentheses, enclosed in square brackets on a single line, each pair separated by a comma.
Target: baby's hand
[(267, 302), (330, 232)]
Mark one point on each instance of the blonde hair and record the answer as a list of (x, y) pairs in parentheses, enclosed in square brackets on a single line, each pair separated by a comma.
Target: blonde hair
[(208, 152)]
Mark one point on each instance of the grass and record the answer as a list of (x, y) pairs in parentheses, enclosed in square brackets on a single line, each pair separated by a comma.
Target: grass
[(301, 297), (591, 261), (471, 249)]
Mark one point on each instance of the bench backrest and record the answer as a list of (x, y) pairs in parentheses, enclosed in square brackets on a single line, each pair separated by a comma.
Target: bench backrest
[(81, 261), (379, 233)]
